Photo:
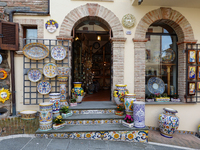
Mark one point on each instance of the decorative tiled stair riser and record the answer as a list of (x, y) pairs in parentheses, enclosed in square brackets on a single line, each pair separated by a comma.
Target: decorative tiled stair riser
[(130, 136), (96, 121)]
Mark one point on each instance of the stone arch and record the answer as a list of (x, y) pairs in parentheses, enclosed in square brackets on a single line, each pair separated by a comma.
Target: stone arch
[(107, 17), (90, 9), (185, 35)]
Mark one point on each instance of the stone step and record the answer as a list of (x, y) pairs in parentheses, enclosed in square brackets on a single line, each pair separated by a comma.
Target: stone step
[(112, 132), (79, 119)]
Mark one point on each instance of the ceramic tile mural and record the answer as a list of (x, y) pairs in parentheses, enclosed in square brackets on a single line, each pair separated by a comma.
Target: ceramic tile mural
[(100, 121), (131, 136), (106, 111)]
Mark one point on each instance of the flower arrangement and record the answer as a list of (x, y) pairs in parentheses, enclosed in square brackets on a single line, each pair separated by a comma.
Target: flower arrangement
[(73, 100), (157, 95), (128, 119), (175, 96), (64, 109), (120, 107), (58, 120)]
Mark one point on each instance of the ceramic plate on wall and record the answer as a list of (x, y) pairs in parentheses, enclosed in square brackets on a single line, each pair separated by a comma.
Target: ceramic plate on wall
[(58, 52), (34, 75), (35, 51), (168, 56), (1, 58), (44, 87), (50, 70), (63, 71), (156, 85)]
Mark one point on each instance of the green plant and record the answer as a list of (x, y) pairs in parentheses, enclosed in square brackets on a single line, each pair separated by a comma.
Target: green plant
[(157, 95), (175, 96), (64, 109), (150, 96), (58, 120), (164, 95), (120, 107), (73, 100)]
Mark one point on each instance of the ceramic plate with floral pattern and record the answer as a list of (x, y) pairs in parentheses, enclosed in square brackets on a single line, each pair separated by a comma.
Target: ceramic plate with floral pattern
[(35, 51), (34, 75), (156, 85), (58, 52), (63, 71), (50, 70), (44, 87)]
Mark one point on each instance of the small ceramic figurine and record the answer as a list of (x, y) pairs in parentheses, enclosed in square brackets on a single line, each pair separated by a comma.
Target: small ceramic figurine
[(51, 25)]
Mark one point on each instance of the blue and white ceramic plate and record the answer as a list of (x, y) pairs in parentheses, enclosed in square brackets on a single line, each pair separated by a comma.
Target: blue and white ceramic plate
[(1, 59), (44, 87), (156, 85), (34, 75), (168, 56), (50, 70), (58, 52)]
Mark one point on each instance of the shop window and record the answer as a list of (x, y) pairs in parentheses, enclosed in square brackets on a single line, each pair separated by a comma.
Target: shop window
[(161, 62), (30, 34)]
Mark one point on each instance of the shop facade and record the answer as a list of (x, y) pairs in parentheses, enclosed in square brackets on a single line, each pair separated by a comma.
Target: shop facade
[(129, 64)]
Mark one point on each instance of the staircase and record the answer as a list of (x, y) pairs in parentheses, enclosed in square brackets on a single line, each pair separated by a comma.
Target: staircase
[(96, 121)]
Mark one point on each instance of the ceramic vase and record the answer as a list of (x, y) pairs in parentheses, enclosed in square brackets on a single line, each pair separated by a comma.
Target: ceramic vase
[(168, 122), (45, 119), (54, 98), (139, 114), (128, 103), (77, 92), (63, 91), (119, 93)]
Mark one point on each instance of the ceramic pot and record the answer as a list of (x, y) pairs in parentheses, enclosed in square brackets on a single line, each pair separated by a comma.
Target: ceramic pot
[(63, 90), (54, 98), (45, 119), (128, 103), (65, 115), (55, 114), (77, 92), (139, 114), (119, 93), (28, 114), (58, 126), (168, 122), (129, 125)]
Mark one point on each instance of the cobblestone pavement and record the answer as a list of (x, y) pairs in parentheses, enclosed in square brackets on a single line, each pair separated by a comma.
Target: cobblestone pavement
[(29, 142), (185, 140)]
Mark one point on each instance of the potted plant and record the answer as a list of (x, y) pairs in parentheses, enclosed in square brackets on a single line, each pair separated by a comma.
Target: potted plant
[(128, 121), (120, 110), (65, 112), (162, 98), (175, 98), (73, 102), (58, 122), (150, 98)]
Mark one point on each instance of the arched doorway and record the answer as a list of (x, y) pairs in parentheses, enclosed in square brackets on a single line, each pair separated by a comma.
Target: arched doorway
[(112, 22), (91, 59), (184, 32)]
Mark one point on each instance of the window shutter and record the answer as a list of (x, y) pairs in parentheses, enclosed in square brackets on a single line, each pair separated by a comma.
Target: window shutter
[(9, 35)]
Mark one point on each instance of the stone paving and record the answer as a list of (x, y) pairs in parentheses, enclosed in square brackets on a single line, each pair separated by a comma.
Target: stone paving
[(31, 143), (185, 140)]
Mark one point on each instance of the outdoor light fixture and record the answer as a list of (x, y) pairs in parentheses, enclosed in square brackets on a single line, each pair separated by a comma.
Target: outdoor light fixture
[(140, 2), (99, 38), (76, 38)]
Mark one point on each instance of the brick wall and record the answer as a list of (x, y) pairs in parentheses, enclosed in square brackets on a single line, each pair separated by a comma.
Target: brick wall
[(185, 35)]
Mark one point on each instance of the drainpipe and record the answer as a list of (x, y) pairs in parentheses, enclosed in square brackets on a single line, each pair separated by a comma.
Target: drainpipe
[(12, 54)]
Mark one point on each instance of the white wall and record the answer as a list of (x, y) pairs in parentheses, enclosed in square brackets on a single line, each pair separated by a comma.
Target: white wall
[(188, 113)]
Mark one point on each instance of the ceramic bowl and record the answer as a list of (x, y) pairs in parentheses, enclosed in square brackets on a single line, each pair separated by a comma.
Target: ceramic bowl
[(28, 114)]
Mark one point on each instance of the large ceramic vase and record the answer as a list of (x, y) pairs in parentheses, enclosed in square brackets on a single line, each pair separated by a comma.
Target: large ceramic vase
[(45, 120), (139, 114), (168, 122), (128, 103), (54, 98), (63, 90), (77, 92), (119, 93)]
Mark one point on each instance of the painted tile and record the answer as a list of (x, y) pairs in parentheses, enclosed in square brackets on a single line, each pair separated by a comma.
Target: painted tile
[(89, 135), (76, 112), (98, 121), (110, 111), (88, 122), (79, 122), (116, 121), (76, 135), (108, 121)]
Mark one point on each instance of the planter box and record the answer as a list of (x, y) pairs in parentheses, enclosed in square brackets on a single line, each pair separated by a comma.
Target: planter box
[(175, 99), (150, 100), (119, 113), (67, 114), (163, 99), (73, 104), (59, 126), (129, 125)]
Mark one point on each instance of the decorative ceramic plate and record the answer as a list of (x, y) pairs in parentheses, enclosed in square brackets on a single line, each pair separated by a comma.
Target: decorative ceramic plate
[(34, 75), (63, 71), (58, 52), (168, 56), (35, 51), (44, 87), (155, 85), (128, 21), (50, 70), (1, 59)]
